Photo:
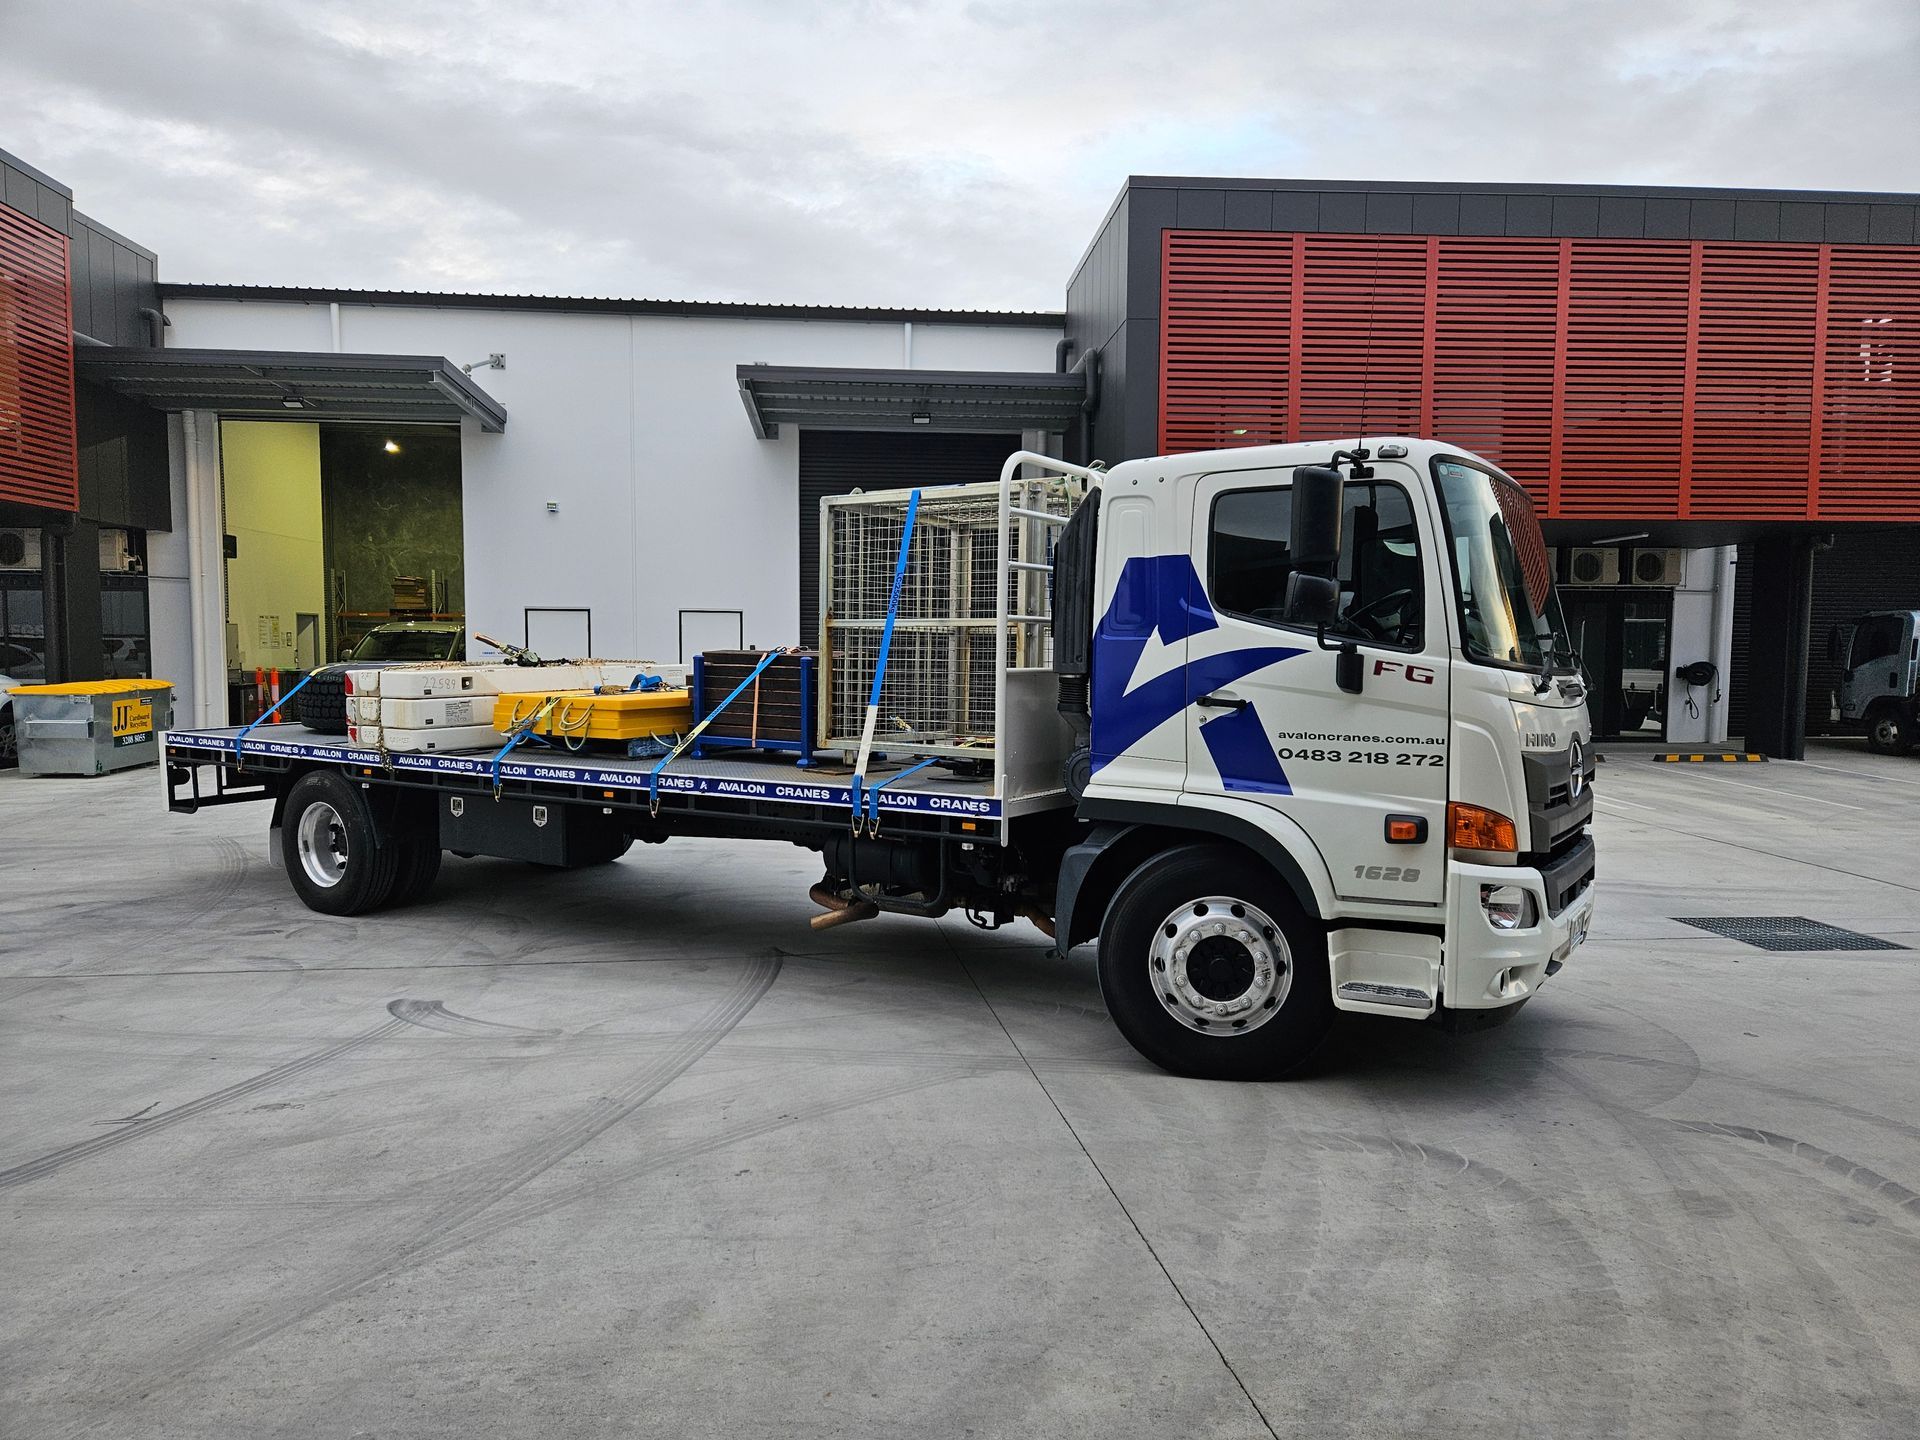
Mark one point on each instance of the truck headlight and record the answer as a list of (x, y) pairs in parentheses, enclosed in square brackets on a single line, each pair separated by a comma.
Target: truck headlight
[(1507, 907)]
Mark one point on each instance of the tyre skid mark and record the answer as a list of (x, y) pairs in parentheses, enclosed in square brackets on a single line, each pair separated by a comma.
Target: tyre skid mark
[(1881, 1187), (486, 1185), (54, 1161), (434, 1015)]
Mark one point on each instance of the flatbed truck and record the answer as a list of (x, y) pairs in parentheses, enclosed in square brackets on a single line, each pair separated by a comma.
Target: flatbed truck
[(1304, 737)]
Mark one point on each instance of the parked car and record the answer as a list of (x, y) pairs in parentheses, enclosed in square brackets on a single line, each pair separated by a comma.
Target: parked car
[(18, 666), (322, 705), (9, 737)]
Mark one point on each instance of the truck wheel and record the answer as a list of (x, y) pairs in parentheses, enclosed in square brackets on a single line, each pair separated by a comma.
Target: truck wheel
[(1889, 731), (327, 841), (419, 867), (1210, 968)]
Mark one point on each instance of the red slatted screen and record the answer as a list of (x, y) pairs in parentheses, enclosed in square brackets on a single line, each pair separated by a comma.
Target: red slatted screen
[(1617, 379), (38, 463), (1869, 365)]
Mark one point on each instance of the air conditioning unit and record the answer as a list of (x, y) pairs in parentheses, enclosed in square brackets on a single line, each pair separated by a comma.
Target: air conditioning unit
[(1659, 567), (19, 549), (1593, 565), (115, 556)]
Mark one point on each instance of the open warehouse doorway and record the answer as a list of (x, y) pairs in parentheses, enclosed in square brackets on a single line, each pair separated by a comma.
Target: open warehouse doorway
[(332, 531)]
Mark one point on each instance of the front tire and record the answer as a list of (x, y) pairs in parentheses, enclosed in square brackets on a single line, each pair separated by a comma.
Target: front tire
[(329, 842), (1889, 731), (1211, 969)]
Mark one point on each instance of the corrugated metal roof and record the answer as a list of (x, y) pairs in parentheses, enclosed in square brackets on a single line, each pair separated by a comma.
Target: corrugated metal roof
[(611, 305)]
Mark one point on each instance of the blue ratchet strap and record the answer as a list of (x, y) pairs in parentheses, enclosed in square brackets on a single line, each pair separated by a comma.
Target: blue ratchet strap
[(265, 716), (653, 775), (519, 733), (873, 792), (886, 644)]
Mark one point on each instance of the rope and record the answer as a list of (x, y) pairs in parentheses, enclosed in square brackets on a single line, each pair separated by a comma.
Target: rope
[(653, 775), (240, 739), (886, 644)]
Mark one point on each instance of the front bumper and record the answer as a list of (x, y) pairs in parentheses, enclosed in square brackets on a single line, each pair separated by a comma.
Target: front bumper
[(1486, 968)]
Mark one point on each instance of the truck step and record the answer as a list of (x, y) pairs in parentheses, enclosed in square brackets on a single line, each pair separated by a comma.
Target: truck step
[(1403, 996)]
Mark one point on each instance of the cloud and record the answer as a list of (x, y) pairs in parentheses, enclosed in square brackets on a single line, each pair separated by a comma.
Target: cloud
[(938, 152)]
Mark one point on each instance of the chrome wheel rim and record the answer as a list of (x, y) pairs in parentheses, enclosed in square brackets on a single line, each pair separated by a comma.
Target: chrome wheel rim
[(1220, 966), (322, 842), (1886, 732)]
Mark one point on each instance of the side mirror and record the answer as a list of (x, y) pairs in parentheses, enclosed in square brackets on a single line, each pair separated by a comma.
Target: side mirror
[(1837, 644), (346, 652), (1319, 498), (1312, 600)]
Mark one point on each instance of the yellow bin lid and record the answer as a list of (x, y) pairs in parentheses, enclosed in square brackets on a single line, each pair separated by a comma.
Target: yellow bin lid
[(94, 687)]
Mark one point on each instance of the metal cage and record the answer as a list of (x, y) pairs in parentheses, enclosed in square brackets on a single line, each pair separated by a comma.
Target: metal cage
[(975, 604)]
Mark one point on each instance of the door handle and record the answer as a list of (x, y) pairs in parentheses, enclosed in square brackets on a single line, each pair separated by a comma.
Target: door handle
[(1219, 701)]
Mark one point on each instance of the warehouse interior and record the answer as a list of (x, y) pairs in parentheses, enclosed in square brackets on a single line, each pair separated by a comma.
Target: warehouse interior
[(330, 530)]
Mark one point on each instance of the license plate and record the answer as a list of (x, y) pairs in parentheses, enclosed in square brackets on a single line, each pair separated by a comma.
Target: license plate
[(132, 721)]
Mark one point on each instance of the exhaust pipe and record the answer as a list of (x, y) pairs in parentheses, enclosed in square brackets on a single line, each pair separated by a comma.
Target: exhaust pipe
[(848, 912), (839, 909)]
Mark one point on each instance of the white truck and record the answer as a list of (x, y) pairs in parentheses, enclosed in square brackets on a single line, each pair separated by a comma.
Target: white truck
[(1286, 729), (1879, 659)]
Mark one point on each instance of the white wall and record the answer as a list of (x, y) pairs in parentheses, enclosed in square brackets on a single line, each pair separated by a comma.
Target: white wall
[(634, 427), (1702, 630)]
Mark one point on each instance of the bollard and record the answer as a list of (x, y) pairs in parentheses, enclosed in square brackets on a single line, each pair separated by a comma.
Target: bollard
[(273, 683), (259, 690)]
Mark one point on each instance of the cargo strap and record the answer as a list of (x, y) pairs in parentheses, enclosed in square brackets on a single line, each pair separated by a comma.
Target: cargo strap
[(265, 716), (873, 796), (521, 730), (880, 665), (653, 775)]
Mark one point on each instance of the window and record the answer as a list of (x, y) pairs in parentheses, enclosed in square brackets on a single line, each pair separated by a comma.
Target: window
[(1877, 639), (1509, 615), (1249, 560)]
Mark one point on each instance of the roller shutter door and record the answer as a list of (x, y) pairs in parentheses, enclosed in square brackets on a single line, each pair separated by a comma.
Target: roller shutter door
[(837, 462)]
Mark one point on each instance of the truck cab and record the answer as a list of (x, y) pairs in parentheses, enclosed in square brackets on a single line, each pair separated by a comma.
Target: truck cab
[(1334, 678), (1879, 659)]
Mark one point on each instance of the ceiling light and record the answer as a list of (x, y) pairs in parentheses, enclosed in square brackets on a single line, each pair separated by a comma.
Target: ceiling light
[(392, 447), (1620, 539), (920, 417), (293, 402)]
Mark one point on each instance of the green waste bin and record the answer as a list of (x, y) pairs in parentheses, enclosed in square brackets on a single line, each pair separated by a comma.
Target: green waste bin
[(90, 727)]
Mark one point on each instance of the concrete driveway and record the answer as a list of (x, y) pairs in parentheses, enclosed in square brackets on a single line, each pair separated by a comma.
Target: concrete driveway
[(634, 1152)]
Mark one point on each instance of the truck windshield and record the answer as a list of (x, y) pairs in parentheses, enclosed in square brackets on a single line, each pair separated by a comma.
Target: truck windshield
[(1509, 614), (404, 645)]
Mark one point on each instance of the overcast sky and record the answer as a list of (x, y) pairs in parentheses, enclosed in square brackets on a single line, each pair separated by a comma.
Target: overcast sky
[(911, 153)]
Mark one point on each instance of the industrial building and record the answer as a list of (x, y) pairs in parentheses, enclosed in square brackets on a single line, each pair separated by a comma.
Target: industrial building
[(1714, 396)]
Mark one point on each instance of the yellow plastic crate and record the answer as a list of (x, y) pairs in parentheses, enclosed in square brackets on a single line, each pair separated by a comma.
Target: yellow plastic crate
[(577, 715), (95, 687)]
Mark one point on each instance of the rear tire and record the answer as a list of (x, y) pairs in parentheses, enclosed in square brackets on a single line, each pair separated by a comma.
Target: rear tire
[(1211, 969), (419, 867), (1889, 731), (329, 843)]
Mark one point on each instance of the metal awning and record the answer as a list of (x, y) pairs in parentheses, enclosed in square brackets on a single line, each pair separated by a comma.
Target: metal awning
[(292, 385), (841, 399)]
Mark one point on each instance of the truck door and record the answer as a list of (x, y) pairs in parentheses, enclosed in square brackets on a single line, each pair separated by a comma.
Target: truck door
[(1285, 735), (1876, 662)]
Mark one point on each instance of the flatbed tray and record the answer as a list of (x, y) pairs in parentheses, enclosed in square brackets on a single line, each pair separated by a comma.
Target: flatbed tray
[(931, 791)]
